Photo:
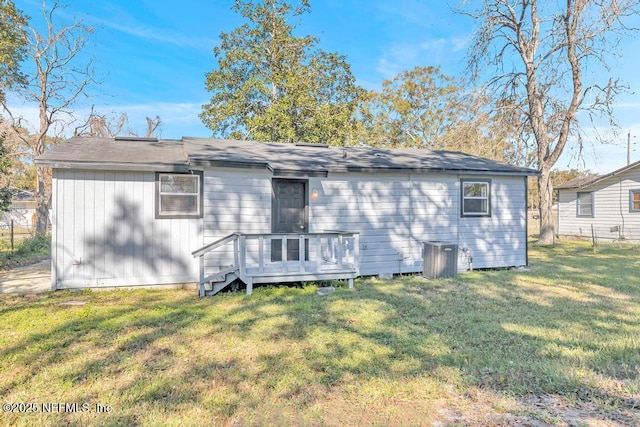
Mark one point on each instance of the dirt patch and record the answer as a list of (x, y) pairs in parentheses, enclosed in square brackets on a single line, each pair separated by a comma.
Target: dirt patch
[(27, 279), (13, 264), (483, 407), (561, 411)]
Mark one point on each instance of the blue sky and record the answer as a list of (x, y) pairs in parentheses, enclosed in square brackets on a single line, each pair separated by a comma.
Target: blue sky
[(151, 57)]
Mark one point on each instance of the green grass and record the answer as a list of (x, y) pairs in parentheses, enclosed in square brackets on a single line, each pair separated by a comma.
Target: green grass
[(26, 250), (484, 348)]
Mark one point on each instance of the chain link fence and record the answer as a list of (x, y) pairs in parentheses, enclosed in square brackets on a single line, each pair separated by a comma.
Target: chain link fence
[(12, 233), (607, 234), (17, 223)]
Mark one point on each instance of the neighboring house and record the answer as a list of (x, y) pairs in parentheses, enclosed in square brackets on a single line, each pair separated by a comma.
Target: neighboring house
[(136, 211), (606, 205), (22, 210)]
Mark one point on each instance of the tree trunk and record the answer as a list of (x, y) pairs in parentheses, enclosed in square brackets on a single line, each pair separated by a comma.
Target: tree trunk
[(43, 199), (43, 191), (545, 192)]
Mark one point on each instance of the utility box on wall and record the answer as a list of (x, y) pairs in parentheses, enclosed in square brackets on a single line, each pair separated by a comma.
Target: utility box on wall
[(440, 259)]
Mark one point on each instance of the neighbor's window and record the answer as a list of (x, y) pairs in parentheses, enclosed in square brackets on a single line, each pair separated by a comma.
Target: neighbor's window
[(476, 198), (585, 204), (178, 195), (634, 201)]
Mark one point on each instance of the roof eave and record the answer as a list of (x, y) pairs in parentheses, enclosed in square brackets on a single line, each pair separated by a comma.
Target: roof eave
[(602, 177), (208, 162), (119, 166), (347, 168), (293, 173)]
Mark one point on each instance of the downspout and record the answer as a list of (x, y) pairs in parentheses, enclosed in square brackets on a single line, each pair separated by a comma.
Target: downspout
[(465, 250)]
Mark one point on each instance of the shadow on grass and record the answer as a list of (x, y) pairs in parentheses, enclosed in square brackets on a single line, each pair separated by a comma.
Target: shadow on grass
[(543, 331)]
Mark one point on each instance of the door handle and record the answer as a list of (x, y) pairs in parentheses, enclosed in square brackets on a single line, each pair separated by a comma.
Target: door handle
[(302, 227)]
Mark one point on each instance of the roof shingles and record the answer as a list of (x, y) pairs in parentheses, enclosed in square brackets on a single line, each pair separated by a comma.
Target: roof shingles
[(588, 180), (143, 154)]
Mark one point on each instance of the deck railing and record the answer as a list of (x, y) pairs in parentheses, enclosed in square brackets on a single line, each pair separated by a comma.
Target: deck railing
[(284, 257)]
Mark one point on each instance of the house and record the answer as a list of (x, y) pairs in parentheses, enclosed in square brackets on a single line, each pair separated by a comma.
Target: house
[(609, 203), (137, 211), (22, 210)]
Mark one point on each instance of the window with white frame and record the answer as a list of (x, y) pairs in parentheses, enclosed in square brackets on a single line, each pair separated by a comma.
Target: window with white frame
[(178, 195), (476, 197), (634, 200), (585, 204)]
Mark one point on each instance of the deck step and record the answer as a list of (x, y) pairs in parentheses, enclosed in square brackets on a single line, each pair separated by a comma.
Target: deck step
[(220, 276), (215, 287)]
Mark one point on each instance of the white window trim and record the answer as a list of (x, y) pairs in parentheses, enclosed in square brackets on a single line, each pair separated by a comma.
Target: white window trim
[(464, 182), (159, 194), (579, 205)]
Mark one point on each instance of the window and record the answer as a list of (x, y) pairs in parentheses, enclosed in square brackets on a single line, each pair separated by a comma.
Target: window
[(634, 201), (476, 198), (178, 195), (585, 204)]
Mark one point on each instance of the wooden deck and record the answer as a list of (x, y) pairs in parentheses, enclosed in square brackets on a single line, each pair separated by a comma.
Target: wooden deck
[(264, 258)]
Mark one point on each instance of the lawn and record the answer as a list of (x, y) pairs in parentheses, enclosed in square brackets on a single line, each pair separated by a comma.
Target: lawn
[(558, 343), (28, 249)]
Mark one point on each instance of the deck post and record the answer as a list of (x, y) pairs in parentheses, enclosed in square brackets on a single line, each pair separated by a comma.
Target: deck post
[(249, 283), (201, 264), (356, 253), (318, 254), (340, 251), (201, 290), (285, 243), (350, 282), (243, 256), (235, 253), (301, 252)]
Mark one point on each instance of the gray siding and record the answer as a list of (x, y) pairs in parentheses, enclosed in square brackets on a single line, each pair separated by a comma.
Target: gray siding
[(375, 206), (105, 234), (105, 220), (501, 239), (234, 201), (396, 213), (611, 208)]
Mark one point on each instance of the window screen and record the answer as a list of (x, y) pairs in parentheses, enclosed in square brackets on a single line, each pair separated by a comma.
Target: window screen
[(476, 198), (179, 195), (585, 204)]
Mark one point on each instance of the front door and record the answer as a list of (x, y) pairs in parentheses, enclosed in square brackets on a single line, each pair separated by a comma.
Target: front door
[(289, 215)]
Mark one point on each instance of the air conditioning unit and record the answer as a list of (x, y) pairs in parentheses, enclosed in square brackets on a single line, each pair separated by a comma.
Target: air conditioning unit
[(440, 259)]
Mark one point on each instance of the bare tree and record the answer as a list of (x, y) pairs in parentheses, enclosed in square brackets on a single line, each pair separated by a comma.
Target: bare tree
[(102, 125), (152, 126), (541, 51), (112, 125), (61, 74)]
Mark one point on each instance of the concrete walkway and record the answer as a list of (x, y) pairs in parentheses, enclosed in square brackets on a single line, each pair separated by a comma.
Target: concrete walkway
[(30, 279)]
